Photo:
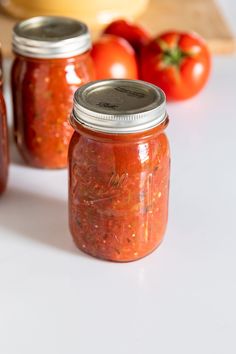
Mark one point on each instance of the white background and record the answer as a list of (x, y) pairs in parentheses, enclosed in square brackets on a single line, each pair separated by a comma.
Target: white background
[(181, 299)]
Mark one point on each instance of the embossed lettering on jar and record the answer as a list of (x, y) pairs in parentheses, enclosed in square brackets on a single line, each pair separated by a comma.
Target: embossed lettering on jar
[(118, 169), (52, 61)]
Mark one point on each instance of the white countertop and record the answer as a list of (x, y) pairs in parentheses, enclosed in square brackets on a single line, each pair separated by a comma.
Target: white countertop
[(179, 300)]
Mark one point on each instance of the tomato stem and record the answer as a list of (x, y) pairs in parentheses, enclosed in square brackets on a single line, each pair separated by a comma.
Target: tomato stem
[(174, 56)]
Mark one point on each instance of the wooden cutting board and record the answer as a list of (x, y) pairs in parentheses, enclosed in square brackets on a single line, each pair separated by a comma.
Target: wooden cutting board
[(201, 16)]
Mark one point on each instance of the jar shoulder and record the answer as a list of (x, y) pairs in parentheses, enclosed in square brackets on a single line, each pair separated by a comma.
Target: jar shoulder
[(71, 70), (130, 157)]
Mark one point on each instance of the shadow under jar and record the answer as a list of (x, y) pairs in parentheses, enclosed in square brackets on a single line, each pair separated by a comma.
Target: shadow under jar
[(118, 169), (4, 160), (52, 60)]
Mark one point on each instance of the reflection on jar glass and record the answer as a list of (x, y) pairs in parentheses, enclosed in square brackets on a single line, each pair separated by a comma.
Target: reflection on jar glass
[(52, 60), (118, 169)]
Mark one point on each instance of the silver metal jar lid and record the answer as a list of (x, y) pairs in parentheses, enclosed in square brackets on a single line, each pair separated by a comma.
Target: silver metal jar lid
[(119, 106), (50, 37)]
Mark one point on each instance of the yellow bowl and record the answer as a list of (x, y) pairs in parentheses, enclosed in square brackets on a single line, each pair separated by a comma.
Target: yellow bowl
[(93, 12)]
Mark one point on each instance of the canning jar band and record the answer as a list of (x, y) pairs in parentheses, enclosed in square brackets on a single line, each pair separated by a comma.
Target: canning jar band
[(92, 124)]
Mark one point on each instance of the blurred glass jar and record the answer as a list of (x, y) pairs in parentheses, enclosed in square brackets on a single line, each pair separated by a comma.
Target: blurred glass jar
[(3, 137), (52, 61), (91, 12)]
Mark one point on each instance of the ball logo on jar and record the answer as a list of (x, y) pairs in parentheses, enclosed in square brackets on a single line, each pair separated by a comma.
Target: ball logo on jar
[(86, 188)]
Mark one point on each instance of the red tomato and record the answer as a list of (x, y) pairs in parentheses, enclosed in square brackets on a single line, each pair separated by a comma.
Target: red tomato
[(114, 58), (177, 62), (134, 34)]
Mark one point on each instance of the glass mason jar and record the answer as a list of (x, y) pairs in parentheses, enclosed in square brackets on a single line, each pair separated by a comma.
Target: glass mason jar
[(118, 169), (52, 61), (3, 137), (3, 145)]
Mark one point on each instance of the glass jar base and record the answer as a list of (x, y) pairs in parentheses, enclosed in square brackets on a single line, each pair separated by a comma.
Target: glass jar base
[(34, 163), (110, 259)]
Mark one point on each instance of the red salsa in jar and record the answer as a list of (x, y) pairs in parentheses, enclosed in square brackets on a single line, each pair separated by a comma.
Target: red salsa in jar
[(52, 60), (118, 169), (3, 137)]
